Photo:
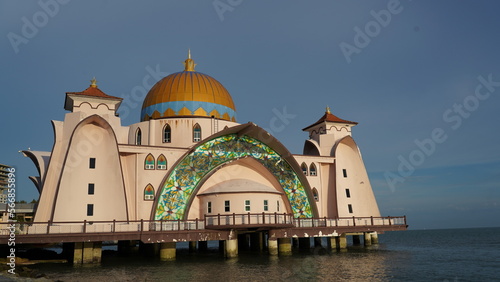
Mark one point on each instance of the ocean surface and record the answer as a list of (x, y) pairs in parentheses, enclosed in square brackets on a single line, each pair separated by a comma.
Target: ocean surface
[(415, 255)]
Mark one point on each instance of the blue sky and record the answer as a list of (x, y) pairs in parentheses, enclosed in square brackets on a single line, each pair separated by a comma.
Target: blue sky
[(410, 72)]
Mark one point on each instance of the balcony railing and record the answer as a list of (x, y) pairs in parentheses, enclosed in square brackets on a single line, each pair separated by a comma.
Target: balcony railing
[(209, 222)]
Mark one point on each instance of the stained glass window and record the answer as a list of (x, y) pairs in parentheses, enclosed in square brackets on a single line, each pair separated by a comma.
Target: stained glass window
[(149, 193), (149, 163), (312, 170), (167, 134), (161, 162), (196, 133)]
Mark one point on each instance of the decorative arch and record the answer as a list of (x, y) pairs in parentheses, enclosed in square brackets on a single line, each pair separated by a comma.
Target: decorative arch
[(149, 162), (161, 162), (138, 136), (303, 167), (182, 182), (167, 133), (149, 193), (196, 133), (312, 170)]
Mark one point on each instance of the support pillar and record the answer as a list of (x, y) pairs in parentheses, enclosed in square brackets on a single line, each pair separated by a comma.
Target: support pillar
[(305, 243), (374, 238), (222, 246), (257, 241), (368, 239), (167, 251), (341, 242), (78, 253), (272, 246), (333, 242), (231, 247), (149, 250), (356, 240), (285, 246), (192, 246), (317, 241), (88, 252), (295, 242), (97, 252)]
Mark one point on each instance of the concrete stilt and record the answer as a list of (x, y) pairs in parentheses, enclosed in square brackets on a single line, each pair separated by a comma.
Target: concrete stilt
[(317, 241), (356, 240), (341, 242), (192, 246), (231, 247), (257, 241), (272, 246), (97, 252), (88, 252), (222, 247), (78, 253), (333, 242), (374, 238), (368, 239), (149, 250), (285, 246), (167, 251), (295, 242), (305, 243), (126, 247)]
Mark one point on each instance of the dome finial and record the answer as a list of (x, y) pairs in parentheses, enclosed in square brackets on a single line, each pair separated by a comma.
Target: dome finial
[(189, 63), (93, 82), (328, 110)]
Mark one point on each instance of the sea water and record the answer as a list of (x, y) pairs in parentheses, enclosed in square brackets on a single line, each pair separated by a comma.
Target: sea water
[(415, 255)]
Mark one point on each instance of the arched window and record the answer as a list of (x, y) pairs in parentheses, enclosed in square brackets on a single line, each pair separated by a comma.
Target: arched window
[(167, 134), (312, 170), (196, 133), (138, 137), (315, 195), (149, 162), (149, 193), (304, 168), (161, 162)]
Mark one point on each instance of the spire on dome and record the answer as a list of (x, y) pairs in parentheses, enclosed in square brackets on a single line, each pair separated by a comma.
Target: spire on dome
[(328, 110), (189, 63), (93, 83)]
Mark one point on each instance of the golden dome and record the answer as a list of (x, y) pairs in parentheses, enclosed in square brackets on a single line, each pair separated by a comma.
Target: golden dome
[(188, 93)]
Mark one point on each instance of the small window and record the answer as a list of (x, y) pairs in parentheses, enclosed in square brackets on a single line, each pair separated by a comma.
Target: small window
[(90, 209), (315, 194), (196, 133), (277, 205), (149, 193), (161, 162), (92, 163), (266, 205), (167, 134), (304, 168), (138, 137), (149, 162), (349, 206), (209, 207), (247, 205), (344, 171), (227, 206), (91, 189), (347, 193), (312, 170)]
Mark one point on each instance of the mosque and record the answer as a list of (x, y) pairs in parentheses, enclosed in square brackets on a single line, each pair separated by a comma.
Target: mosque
[(188, 158)]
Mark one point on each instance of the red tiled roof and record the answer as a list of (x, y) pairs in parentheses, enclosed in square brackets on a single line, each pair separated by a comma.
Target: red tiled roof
[(94, 92), (331, 118)]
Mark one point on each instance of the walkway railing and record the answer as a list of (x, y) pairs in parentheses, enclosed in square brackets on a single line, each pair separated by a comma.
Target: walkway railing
[(209, 222)]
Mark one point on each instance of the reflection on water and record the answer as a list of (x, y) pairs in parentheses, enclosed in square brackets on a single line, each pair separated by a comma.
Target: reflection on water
[(317, 264)]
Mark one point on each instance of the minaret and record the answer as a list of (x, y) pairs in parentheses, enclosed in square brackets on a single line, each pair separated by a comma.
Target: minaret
[(325, 133)]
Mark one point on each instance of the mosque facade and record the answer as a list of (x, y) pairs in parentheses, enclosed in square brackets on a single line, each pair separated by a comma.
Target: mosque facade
[(188, 157)]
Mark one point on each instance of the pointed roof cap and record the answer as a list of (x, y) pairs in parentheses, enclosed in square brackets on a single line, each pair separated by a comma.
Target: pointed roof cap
[(94, 91), (329, 117)]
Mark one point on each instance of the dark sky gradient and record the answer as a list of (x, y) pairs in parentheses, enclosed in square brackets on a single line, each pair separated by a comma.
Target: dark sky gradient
[(405, 83)]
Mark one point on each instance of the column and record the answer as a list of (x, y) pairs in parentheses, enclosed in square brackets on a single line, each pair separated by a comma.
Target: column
[(192, 246), (356, 240), (231, 247), (285, 246), (257, 241), (341, 242), (202, 245), (333, 242), (272, 246), (78, 253), (374, 238), (305, 243), (88, 252), (317, 241), (368, 239), (167, 251), (97, 252)]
